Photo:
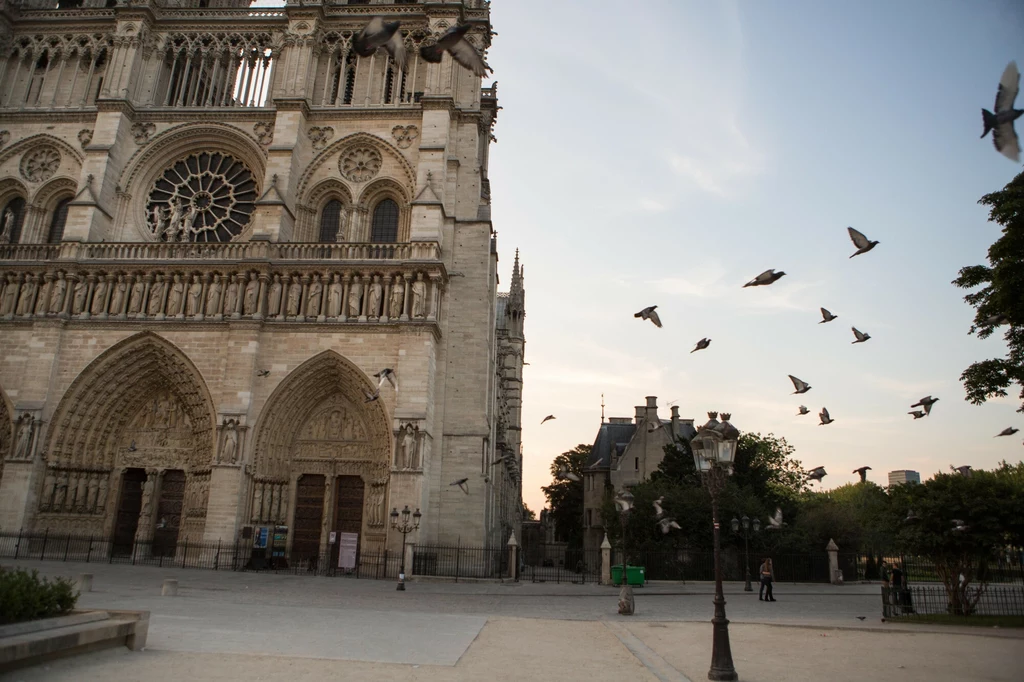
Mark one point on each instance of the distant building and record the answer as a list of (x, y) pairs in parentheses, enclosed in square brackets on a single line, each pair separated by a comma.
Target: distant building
[(626, 452), (903, 476)]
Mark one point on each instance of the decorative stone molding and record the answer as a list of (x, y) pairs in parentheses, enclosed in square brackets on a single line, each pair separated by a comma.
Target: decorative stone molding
[(360, 164), (40, 164), (84, 137), (264, 132), (320, 136), (405, 135), (141, 132), (5, 137)]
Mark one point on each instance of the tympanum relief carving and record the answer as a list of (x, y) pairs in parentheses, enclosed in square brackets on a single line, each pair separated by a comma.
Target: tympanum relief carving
[(160, 435), (333, 432)]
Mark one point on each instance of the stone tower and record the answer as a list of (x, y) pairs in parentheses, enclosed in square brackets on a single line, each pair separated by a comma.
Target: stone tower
[(217, 225)]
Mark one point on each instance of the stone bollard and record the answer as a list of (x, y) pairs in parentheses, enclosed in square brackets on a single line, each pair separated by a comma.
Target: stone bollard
[(170, 588), (606, 561), (85, 583), (833, 563), (513, 556)]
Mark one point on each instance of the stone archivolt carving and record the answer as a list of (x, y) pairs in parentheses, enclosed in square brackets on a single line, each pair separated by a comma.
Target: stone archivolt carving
[(360, 163), (405, 135), (141, 132), (84, 137), (264, 132), (320, 136), (40, 164)]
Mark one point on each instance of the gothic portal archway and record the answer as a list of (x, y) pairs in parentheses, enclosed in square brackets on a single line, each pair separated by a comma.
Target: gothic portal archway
[(130, 447), (322, 457)]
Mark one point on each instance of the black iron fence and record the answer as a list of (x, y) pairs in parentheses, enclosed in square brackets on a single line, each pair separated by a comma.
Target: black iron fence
[(558, 563), (937, 603), (459, 561)]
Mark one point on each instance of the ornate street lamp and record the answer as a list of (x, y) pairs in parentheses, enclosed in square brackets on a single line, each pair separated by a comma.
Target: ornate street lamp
[(714, 449), (404, 527), (745, 523)]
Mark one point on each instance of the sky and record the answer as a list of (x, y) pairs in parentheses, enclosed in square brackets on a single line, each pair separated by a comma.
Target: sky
[(667, 154)]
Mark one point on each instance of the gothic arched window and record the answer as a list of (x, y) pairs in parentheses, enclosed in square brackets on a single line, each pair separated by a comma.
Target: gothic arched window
[(60, 217), (10, 221), (385, 222), (330, 221)]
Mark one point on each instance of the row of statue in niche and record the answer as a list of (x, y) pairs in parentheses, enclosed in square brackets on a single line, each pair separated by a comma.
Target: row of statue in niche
[(256, 296), (80, 492)]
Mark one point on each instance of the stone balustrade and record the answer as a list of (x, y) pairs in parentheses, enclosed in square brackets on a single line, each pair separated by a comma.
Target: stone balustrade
[(229, 251), (401, 292)]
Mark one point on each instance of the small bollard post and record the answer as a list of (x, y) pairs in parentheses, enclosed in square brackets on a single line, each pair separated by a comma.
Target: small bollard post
[(170, 588), (85, 583)]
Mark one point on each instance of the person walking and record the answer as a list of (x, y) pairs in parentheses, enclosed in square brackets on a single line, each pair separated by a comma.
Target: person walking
[(767, 577)]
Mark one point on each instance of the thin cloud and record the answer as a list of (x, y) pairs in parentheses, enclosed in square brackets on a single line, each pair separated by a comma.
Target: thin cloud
[(902, 387)]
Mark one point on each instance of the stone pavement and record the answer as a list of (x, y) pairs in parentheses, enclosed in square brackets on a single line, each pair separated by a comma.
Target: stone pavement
[(228, 626)]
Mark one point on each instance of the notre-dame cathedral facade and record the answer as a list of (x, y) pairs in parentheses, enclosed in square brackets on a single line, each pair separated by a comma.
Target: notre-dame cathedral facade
[(217, 223)]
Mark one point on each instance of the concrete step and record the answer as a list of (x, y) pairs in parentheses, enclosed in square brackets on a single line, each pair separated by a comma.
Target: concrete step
[(77, 633)]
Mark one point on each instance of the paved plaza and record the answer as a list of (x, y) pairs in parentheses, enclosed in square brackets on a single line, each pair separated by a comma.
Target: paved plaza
[(228, 626)]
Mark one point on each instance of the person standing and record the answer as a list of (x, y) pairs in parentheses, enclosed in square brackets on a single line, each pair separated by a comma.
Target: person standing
[(767, 577)]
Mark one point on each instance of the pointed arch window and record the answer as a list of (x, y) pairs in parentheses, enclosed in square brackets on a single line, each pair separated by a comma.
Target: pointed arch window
[(385, 222), (330, 221), (10, 220), (60, 217)]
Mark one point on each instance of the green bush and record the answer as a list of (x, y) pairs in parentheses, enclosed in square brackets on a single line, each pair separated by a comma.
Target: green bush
[(26, 596)]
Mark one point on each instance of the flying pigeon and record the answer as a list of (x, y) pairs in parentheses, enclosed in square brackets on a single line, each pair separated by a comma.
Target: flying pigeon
[(622, 504), (803, 411), (917, 414), (926, 402), (764, 279), (263, 372), (816, 474), (825, 419), (132, 448), (701, 345), (911, 516), (565, 475), (1008, 431), (958, 526), (387, 374), (649, 314), (861, 617), (658, 511), (1001, 122), (652, 427), (860, 241), (861, 336), (596, 464), (549, 417), (800, 386), (379, 33), (997, 320), (371, 395), (666, 524), (775, 522), (462, 484), (964, 470), (454, 41), (827, 316), (863, 471)]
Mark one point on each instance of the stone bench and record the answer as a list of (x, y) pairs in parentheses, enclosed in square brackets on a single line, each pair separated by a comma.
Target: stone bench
[(23, 644)]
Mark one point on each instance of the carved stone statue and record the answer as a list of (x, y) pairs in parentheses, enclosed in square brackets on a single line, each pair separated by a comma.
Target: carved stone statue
[(251, 291), (158, 218), (99, 297), (174, 298), (48, 490), (23, 439), (188, 223), (397, 299), (376, 291), (117, 299), (78, 297), (294, 294), (408, 436), (195, 291), (419, 299), (334, 297), (213, 297), (156, 298), (28, 289), (313, 298), (135, 303), (172, 230), (375, 504), (274, 305), (147, 492), (10, 296), (231, 298), (228, 452), (43, 298), (7, 227), (57, 293), (355, 298)]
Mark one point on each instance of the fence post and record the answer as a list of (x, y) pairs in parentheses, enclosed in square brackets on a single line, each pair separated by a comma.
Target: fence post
[(513, 555), (46, 534), (184, 553), (17, 547), (88, 552), (67, 547), (836, 576), (458, 555), (216, 557), (606, 561)]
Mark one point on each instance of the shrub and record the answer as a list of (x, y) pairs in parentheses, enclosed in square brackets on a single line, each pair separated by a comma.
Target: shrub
[(26, 596)]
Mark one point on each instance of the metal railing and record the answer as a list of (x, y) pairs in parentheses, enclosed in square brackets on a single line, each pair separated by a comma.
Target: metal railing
[(458, 561), (560, 564), (929, 602)]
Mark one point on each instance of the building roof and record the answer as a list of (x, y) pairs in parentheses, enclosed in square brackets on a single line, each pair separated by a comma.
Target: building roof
[(611, 438)]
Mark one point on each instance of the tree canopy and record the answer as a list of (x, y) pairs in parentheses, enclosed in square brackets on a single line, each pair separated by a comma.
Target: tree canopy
[(1000, 301), (565, 497)]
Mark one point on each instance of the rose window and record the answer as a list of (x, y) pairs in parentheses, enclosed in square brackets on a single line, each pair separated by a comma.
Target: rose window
[(205, 197), (360, 164)]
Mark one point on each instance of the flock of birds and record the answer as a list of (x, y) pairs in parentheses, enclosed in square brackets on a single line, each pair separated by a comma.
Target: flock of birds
[(379, 33)]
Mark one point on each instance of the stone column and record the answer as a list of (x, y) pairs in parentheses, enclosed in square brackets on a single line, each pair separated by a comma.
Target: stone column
[(385, 303), (261, 296), (434, 297), (147, 281), (364, 305), (301, 314), (242, 282), (836, 576), (343, 315), (606, 561), (407, 301)]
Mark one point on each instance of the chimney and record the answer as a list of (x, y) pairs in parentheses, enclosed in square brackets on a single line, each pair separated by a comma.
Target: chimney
[(640, 411), (652, 410), (675, 413)]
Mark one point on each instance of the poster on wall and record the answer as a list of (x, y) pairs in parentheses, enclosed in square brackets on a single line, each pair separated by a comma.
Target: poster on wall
[(347, 544), (280, 540), (260, 537)]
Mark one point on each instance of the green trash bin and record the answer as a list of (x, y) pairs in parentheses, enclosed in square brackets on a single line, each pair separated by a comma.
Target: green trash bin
[(617, 575), (634, 575)]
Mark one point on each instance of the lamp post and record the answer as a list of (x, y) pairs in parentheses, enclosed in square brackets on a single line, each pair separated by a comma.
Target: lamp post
[(745, 523), (714, 448), (404, 527)]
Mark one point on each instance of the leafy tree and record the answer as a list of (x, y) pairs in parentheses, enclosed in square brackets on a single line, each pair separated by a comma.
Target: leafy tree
[(528, 514), (565, 498), (677, 465), (1001, 298), (869, 506), (990, 508), (764, 464)]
